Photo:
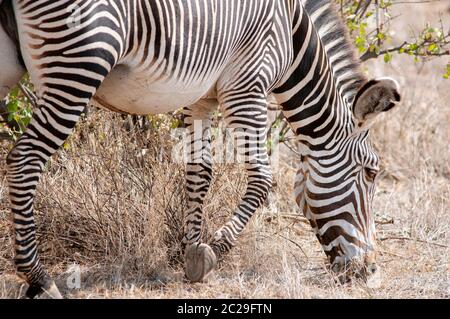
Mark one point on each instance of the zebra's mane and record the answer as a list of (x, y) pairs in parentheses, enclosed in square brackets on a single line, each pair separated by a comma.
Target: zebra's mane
[(340, 50)]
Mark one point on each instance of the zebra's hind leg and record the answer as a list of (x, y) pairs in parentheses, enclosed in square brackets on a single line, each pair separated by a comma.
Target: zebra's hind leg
[(200, 260), (60, 108), (26, 161)]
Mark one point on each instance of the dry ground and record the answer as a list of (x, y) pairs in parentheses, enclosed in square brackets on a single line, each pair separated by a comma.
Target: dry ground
[(113, 209)]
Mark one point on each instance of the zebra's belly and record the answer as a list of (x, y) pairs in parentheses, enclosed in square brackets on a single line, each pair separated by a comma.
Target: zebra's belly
[(139, 93)]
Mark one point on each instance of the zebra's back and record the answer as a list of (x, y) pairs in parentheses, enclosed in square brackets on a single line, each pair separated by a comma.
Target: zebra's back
[(163, 54)]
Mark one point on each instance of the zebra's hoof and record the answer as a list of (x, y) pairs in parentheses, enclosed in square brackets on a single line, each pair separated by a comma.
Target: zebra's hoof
[(46, 291), (200, 262)]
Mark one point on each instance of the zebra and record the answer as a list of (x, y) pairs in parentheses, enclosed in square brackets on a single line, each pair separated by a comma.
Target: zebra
[(141, 57)]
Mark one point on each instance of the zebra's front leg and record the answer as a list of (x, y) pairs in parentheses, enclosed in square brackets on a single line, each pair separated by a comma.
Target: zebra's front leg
[(200, 260), (258, 187), (247, 117), (246, 114)]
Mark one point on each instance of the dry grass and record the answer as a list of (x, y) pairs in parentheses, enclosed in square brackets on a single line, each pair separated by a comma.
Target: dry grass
[(115, 210)]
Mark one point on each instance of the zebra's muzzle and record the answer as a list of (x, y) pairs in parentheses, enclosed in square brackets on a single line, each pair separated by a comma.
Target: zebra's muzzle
[(350, 270)]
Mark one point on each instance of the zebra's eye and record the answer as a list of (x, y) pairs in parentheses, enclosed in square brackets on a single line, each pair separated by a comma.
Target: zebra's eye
[(371, 173)]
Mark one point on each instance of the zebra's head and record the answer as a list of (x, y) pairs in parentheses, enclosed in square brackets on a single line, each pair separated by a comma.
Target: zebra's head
[(336, 181)]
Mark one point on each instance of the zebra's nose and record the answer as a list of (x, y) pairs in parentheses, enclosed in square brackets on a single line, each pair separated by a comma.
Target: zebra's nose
[(336, 267), (372, 268), (373, 276)]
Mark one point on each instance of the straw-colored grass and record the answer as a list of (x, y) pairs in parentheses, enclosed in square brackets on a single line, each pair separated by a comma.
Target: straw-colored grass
[(111, 203)]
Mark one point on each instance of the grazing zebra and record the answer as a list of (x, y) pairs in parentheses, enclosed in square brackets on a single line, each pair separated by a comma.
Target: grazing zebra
[(141, 57)]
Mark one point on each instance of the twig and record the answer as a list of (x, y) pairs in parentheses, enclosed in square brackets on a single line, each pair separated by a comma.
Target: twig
[(296, 244), (385, 222), (415, 2), (382, 251), (292, 149), (413, 239), (373, 55), (362, 8), (296, 218), (6, 137), (29, 94)]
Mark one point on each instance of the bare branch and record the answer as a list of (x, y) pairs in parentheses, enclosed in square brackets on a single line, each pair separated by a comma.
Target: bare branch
[(415, 2), (414, 239), (362, 8), (28, 94), (373, 55), (6, 137)]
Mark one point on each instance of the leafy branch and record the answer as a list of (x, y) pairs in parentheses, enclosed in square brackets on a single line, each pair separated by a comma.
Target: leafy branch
[(17, 109), (370, 24)]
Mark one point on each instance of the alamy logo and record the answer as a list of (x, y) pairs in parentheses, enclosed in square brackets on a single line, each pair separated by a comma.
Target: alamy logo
[(74, 20)]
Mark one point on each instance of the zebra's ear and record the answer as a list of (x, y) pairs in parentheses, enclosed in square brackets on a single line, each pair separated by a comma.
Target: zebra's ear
[(375, 97)]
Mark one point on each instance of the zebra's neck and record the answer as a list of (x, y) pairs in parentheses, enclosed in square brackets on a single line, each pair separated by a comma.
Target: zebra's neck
[(318, 91)]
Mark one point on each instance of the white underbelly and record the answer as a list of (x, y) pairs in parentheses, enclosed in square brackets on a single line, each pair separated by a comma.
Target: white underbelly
[(10, 68), (136, 93)]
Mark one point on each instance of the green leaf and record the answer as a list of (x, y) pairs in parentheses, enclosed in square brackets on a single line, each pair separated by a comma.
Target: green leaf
[(176, 124), (413, 47), (10, 117), (13, 106), (66, 146), (433, 48), (387, 57), (381, 36), (447, 74)]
